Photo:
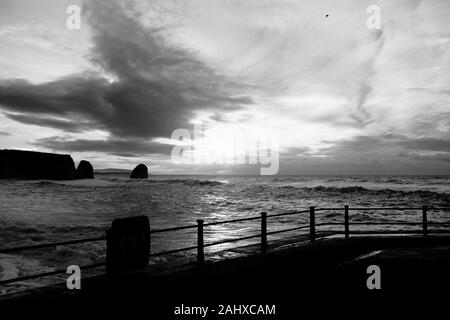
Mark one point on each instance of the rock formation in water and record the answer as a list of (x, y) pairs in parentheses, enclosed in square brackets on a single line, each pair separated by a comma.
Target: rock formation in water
[(85, 170), (140, 172), (18, 164)]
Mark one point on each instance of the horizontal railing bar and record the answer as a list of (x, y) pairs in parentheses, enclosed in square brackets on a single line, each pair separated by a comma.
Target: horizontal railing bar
[(379, 223), (385, 232), (329, 224), (173, 251), (231, 221), (382, 208), (386, 223), (396, 208), (286, 213), (375, 209), (54, 244), (173, 229), (50, 273), (363, 232), (231, 240), (255, 218)]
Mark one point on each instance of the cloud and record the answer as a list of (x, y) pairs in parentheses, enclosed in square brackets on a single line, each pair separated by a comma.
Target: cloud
[(294, 152), (388, 147), (115, 146), (358, 146), (427, 144), (146, 88), (361, 115), (439, 157), (45, 121)]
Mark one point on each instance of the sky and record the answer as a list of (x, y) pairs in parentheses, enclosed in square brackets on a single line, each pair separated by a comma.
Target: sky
[(341, 98)]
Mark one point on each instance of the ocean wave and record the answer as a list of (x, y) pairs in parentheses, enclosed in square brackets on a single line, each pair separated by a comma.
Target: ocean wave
[(14, 234), (377, 191), (332, 190), (114, 181), (188, 182), (76, 183), (44, 183), (351, 189)]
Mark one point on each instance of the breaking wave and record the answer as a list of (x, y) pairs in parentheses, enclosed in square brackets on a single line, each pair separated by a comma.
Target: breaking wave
[(359, 190), (115, 181), (190, 182)]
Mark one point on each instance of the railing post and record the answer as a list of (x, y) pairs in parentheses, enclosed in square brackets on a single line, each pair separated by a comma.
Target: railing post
[(424, 220), (312, 225), (264, 232), (200, 248), (346, 222)]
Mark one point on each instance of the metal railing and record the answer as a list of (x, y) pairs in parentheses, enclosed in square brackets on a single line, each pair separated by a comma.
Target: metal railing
[(312, 226)]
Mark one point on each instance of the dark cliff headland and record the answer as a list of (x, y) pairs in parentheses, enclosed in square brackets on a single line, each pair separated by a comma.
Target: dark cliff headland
[(18, 164)]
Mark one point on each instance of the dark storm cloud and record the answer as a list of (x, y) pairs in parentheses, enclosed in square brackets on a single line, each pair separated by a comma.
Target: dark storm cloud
[(157, 87), (66, 125), (74, 97), (120, 147)]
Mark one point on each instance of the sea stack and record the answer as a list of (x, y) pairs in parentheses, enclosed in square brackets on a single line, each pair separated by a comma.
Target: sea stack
[(140, 172), (85, 170), (31, 165)]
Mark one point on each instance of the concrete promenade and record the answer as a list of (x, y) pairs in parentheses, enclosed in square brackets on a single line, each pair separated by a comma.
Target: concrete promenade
[(325, 277)]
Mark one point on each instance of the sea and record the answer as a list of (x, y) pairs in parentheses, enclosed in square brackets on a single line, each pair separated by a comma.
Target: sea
[(35, 212)]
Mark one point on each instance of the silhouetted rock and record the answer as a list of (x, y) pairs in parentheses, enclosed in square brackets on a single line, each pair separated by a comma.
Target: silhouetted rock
[(85, 170), (140, 172), (17, 164)]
